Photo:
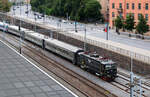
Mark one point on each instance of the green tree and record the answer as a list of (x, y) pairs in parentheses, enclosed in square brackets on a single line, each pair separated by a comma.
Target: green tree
[(129, 22), (142, 26), (118, 24), (92, 9), (77, 9), (5, 5)]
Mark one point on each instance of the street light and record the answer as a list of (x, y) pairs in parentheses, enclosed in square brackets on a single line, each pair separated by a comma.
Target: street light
[(76, 25), (131, 79), (107, 23), (20, 8), (85, 38), (35, 20), (27, 8), (20, 37)]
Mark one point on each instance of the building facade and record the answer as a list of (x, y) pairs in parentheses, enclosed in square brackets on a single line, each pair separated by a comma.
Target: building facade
[(105, 7), (125, 7)]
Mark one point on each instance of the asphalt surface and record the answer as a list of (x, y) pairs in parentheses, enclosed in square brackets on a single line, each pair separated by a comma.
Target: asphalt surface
[(91, 29)]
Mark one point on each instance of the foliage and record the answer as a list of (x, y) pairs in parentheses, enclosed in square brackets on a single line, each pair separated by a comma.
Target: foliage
[(118, 23), (129, 22), (5, 5), (142, 26), (83, 10)]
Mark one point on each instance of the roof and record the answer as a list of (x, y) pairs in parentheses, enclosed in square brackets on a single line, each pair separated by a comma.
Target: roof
[(40, 36), (96, 57)]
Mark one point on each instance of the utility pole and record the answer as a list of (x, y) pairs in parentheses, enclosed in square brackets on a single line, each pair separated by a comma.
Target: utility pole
[(20, 8), (85, 39), (76, 25), (107, 22), (35, 21), (131, 79), (4, 29), (27, 8), (20, 37), (44, 16)]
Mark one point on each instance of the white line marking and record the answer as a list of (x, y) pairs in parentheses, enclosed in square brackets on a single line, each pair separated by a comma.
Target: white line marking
[(40, 69)]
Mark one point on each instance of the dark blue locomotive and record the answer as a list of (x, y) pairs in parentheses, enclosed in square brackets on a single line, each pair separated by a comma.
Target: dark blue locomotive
[(103, 67)]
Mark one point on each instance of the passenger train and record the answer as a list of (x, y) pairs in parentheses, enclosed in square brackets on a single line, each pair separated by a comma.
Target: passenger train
[(103, 67)]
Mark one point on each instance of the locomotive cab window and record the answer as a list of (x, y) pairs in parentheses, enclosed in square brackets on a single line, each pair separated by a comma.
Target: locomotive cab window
[(110, 66)]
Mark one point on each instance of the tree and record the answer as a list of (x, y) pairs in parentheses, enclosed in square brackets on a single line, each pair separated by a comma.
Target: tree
[(142, 26), (5, 5), (81, 10), (92, 10), (118, 24), (129, 22)]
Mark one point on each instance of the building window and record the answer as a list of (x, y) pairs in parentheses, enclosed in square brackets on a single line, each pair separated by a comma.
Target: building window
[(139, 6), (127, 14), (132, 5), (113, 5), (120, 5), (121, 15), (127, 5), (146, 17), (139, 15), (113, 14), (133, 15), (146, 6)]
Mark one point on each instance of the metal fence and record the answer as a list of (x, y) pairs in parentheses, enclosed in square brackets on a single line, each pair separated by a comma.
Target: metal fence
[(140, 54)]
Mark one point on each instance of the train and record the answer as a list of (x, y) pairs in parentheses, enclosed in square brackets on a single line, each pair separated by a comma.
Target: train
[(103, 67)]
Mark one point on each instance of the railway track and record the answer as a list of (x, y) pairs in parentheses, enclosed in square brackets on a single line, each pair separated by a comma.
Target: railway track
[(77, 81), (124, 84), (127, 78), (90, 89)]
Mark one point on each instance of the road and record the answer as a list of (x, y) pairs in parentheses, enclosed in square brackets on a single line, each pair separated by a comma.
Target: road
[(91, 29)]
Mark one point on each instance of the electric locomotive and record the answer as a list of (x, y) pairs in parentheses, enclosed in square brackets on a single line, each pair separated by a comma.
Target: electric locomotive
[(103, 67)]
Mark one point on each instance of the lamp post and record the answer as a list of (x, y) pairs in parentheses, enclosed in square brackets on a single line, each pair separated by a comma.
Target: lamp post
[(27, 8), (85, 39), (75, 25), (20, 37), (35, 21), (107, 27), (20, 8), (131, 79)]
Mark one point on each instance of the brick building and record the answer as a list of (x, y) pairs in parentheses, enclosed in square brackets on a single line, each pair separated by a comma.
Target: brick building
[(124, 7)]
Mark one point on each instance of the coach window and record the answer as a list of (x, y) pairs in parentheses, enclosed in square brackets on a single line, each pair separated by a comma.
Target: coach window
[(146, 6)]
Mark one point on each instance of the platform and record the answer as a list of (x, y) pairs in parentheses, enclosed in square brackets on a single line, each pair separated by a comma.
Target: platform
[(21, 78)]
